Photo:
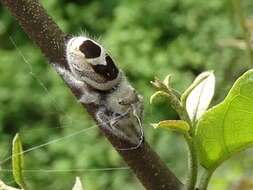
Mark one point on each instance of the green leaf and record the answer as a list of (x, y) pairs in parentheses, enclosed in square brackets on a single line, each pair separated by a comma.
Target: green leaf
[(78, 184), (228, 127), (157, 94), (18, 161), (174, 125)]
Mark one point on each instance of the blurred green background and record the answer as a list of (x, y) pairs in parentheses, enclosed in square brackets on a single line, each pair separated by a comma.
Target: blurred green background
[(146, 38)]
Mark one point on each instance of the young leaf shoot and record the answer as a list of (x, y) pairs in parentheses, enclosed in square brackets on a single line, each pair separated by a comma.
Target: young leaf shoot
[(227, 128)]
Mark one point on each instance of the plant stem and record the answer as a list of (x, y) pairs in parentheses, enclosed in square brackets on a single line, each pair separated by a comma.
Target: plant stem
[(204, 181), (192, 164), (192, 154), (241, 17)]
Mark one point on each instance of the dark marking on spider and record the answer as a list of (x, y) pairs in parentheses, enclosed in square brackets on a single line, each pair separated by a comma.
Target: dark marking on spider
[(90, 49), (108, 71)]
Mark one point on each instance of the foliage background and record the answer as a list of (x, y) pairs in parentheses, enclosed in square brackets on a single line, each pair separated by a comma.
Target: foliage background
[(146, 38)]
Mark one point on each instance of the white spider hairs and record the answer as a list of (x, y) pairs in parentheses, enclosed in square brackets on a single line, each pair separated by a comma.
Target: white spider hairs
[(93, 72)]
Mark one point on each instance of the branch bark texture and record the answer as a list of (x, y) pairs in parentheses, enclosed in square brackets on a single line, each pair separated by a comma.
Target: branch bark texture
[(40, 27)]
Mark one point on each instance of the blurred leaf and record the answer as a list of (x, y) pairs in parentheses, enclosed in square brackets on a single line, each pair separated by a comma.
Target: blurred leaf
[(199, 95), (78, 184), (18, 161), (227, 128), (6, 187), (249, 25), (174, 125), (242, 184), (240, 44)]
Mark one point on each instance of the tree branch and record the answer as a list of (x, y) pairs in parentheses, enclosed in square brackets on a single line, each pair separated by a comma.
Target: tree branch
[(39, 26)]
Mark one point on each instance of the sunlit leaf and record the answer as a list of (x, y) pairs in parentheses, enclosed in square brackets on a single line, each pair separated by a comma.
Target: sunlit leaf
[(228, 127), (78, 184), (18, 161), (200, 95), (174, 125)]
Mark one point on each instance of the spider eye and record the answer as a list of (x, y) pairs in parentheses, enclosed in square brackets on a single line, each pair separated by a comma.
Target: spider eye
[(90, 49)]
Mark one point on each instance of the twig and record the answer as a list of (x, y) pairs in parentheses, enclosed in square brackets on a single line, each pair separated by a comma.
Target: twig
[(241, 17), (192, 165)]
